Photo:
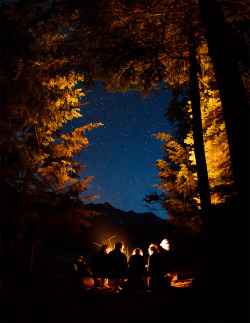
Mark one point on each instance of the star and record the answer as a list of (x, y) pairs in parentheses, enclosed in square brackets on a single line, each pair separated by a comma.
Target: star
[(122, 153)]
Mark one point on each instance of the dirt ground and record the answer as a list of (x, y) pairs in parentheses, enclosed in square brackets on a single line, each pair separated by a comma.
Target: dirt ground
[(55, 299)]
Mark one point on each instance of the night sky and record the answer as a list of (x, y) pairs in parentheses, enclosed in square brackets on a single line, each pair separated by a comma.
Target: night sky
[(122, 152)]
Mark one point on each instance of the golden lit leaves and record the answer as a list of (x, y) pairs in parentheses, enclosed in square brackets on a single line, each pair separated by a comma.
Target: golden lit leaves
[(185, 180), (214, 133), (140, 45), (66, 170), (43, 92), (79, 186), (177, 179), (177, 172), (73, 142), (173, 150)]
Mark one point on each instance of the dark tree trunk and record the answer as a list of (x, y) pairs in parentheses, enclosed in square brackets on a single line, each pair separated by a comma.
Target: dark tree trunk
[(236, 115), (38, 258), (233, 96), (22, 210), (199, 149)]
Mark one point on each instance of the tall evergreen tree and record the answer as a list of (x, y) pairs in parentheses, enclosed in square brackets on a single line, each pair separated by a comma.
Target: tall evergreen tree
[(41, 93), (225, 57), (140, 45), (178, 169)]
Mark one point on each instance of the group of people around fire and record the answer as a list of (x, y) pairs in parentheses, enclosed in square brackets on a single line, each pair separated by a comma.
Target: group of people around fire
[(112, 269)]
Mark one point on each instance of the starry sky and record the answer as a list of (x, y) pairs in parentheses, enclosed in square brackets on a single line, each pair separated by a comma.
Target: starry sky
[(122, 153)]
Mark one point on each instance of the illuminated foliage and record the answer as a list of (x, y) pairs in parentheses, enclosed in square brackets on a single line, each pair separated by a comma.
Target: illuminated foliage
[(42, 92), (177, 171), (145, 46), (136, 45), (178, 180), (215, 137), (128, 45)]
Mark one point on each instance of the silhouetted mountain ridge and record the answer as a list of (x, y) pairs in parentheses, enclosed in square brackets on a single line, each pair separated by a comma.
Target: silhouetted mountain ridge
[(136, 229), (129, 217)]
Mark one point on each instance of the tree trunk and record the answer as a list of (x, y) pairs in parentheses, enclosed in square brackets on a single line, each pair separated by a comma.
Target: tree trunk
[(203, 184), (233, 96), (22, 210), (236, 115), (38, 259)]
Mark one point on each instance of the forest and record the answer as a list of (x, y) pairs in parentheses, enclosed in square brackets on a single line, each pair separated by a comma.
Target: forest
[(53, 52)]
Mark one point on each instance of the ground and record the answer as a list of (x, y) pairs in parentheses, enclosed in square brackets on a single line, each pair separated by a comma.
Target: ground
[(210, 292), (46, 298)]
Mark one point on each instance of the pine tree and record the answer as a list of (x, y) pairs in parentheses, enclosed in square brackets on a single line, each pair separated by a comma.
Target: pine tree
[(145, 45), (224, 53), (178, 181), (42, 92), (177, 171), (147, 56)]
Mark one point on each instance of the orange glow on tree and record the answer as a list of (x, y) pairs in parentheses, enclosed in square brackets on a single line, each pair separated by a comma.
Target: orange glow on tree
[(44, 95), (177, 171)]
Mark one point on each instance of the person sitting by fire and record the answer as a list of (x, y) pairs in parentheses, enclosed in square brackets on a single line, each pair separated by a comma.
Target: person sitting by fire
[(155, 280), (154, 261), (117, 266), (81, 267), (159, 266), (163, 250), (137, 264), (99, 267), (137, 272), (81, 270)]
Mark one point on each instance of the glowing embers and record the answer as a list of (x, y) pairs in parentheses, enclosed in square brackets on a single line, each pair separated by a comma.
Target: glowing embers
[(175, 282), (182, 283)]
